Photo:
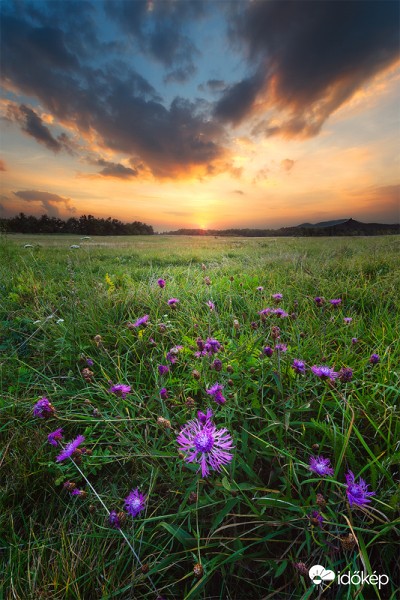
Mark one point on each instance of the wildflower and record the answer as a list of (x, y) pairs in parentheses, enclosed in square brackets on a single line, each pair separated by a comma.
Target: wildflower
[(357, 493), (87, 375), (275, 332), (198, 570), (301, 568), (164, 423), (264, 311), (347, 320), (207, 280), (71, 448), (114, 520), (69, 486), (320, 500), (211, 346), (98, 340), (374, 359), (320, 465), (210, 305), (161, 283), (173, 302), (164, 393), (43, 409), (348, 541), (135, 502), (55, 436), (282, 314), (254, 325), (277, 297), (260, 288), (268, 351), (163, 369), (141, 321), (281, 347), (354, 341), (205, 445), (80, 493), (205, 418), (216, 364), (196, 374), (236, 324), (316, 518), (319, 301), (298, 366), (324, 372), (345, 374), (89, 362), (120, 389), (216, 392), (335, 302)]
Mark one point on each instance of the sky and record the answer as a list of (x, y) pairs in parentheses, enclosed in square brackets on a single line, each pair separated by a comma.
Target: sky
[(201, 114)]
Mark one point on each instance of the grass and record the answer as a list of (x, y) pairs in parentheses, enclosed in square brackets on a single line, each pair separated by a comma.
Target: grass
[(249, 525)]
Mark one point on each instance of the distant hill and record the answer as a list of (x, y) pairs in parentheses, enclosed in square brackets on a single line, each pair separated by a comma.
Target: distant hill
[(324, 228)]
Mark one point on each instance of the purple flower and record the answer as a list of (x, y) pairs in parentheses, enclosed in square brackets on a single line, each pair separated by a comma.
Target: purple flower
[(277, 297), (55, 436), (264, 311), (43, 409), (173, 302), (163, 369), (76, 492), (357, 492), (336, 302), (347, 320), (280, 312), (354, 341), (345, 374), (324, 372), (216, 392), (161, 283), (114, 519), (205, 445), (89, 362), (70, 448), (164, 393), (281, 348), (135, 502), (320, 465), (141, 321), (210, 305), (212, 346), (319, 301), (120, 389), (298, 366), (205, 418), (316, 518), (268, 351), (374, 359), (260, 288), (216, 364)]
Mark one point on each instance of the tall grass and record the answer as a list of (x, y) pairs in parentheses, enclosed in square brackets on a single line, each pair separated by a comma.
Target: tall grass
[(250, 525)]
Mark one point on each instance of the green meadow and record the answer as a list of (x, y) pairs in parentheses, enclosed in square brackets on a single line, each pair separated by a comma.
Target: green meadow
[(252, 529)]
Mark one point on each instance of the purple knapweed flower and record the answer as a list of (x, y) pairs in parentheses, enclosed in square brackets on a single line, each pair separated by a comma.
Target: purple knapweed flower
[(268, 351), (161, 283), (216, 364), (357, 493), (70, 448), (345, 374), (163, 393), (347, 320), (277, 297), (43, 409), (114, 519), (354, 341), (320, 465), (374, 359), (324, 372), (205, 445), (120, 389), (316, 518), (163, 369), (173, 302), (260, 288), (281, 348), (216, 392), (282, 314), (76, 492), (55, 436), (319, 301), (135, 502), (210, 305), (141, 321), (265, 311), (335, 302), (89, 362), (298, 366), (205, 418), (212, 346)]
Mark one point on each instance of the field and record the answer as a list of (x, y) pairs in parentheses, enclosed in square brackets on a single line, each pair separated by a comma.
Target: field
[(260, 503)]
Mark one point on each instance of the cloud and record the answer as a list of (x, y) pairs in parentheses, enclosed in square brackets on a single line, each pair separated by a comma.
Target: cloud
[(110, 105), (240, 192), (308, 59), (2, 165), (50, 202), (287, 164), (111, 169), (213, 85)]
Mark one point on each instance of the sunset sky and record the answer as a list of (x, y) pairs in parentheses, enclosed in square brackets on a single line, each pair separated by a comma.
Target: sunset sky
[(212, 114)]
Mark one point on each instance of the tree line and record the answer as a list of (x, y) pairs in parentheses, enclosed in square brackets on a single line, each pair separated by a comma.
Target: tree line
[(84, 225)]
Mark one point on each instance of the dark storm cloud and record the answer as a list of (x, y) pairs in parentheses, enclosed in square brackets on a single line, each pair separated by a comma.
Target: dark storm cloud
[(50, 202), (111, 169), (309, 58), (32, 124), (111, 103)]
